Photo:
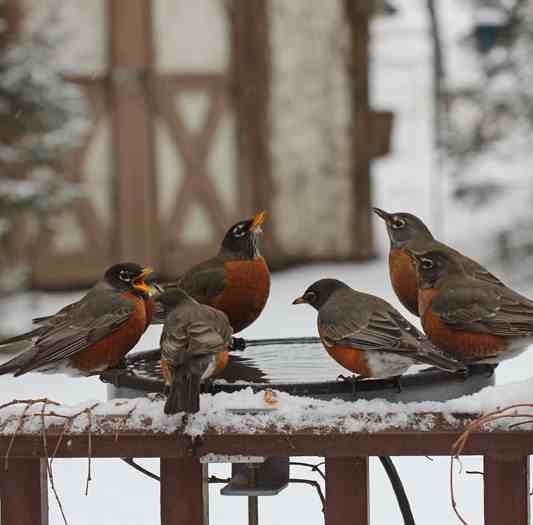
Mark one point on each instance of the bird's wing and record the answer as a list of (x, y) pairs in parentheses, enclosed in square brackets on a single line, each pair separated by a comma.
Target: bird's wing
[(92, 319), (205, 281), (194, 331), (480, 273), (494, 310), (360, 328), (202, 282), (384, 329)]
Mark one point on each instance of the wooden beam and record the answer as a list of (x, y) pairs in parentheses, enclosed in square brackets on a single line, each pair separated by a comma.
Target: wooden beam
[(361, 122), (251, 95), (135, 189), (312, 442), (506, 488), (347, 491), (24, 492), (184, 499)]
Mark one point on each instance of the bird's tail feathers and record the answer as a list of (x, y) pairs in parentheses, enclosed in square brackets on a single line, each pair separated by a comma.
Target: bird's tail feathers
[(19, 362), (184, 392), (429, 354), (27, 336)]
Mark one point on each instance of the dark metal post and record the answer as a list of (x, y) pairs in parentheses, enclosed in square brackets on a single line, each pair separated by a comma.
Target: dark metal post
[(253, 501), (347, 491), (183, 498), (24, 492), (506, 485)]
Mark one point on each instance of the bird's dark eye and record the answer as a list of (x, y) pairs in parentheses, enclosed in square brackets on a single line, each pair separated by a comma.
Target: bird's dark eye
[(310, 297), (427, 264), (397, 223), (125, 276), (238, 231)]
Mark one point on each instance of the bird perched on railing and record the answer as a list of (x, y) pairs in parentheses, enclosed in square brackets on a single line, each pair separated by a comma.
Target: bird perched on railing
[(236, 281), (407, 232), (195, 346), (473, 319), (367, 335), (92, 334)]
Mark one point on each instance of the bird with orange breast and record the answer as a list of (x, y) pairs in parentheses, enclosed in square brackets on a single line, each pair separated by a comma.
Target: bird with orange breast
[(92, 334), (236, 281), (475, 320), (407, 232), (367, 335), (195, 346)]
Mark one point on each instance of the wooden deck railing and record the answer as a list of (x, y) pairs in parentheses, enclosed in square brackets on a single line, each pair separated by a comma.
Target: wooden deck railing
[(23, 487)]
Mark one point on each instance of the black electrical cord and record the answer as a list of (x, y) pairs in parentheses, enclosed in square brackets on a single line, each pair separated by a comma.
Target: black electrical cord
[(399, 491)]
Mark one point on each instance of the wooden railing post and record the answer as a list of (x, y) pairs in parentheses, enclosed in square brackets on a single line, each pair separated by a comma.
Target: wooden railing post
[(347, 491), (506, 486), (24, 492), (184, 496)]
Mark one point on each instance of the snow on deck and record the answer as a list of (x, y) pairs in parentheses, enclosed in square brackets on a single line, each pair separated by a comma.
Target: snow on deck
[(246, 412)]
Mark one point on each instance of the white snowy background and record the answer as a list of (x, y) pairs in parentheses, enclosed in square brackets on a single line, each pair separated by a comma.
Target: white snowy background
[(406, 180)]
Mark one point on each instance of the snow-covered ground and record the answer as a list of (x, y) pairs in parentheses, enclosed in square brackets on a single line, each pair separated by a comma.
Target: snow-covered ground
[(406, 180)]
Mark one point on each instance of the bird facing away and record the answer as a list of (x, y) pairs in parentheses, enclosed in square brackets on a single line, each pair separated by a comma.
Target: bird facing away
[(367, 335), (475, 320), (236, 281), (407, 232), (92, 334), (194, 347)]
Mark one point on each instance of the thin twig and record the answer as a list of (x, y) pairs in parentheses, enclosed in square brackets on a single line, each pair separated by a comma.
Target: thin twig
[(476, 425), (88, 411), (313, 467), (49, 465)]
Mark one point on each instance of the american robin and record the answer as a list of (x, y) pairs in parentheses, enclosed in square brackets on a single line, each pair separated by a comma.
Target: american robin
[(367, 335), (470, 318), (92, 334), (194, 347), (407, 232), (236, 281)]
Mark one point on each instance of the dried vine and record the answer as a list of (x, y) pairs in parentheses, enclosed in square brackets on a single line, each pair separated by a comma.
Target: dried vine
[(67, 425), (477, 425)]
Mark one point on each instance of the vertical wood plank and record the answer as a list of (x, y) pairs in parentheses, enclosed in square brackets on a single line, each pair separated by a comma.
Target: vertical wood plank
[(347, 491), (133, 133), (24, 492), (358, 76), (184, 495), (506, 490), (251, 96)]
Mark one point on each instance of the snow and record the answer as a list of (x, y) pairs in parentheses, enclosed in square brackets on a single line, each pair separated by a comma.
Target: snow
[(246, 412)]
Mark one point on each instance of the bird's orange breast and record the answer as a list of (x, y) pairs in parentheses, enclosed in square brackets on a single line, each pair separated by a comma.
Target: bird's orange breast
[(469, 346), (246, 292), (403, 278), (110, 350), (222, 361), (351, 359), (348, 357)]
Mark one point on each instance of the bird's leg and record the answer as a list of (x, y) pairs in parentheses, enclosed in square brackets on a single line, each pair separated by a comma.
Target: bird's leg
[(397, 382), (491, 369), (238, 344), (353, 380)]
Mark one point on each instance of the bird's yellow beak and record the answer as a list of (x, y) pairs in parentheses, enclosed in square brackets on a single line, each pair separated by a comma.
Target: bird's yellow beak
[(257, 222), (299, 300), (141, 285)]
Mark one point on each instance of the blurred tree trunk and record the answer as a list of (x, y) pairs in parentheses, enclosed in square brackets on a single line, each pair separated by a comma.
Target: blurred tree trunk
[(439, 115)]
